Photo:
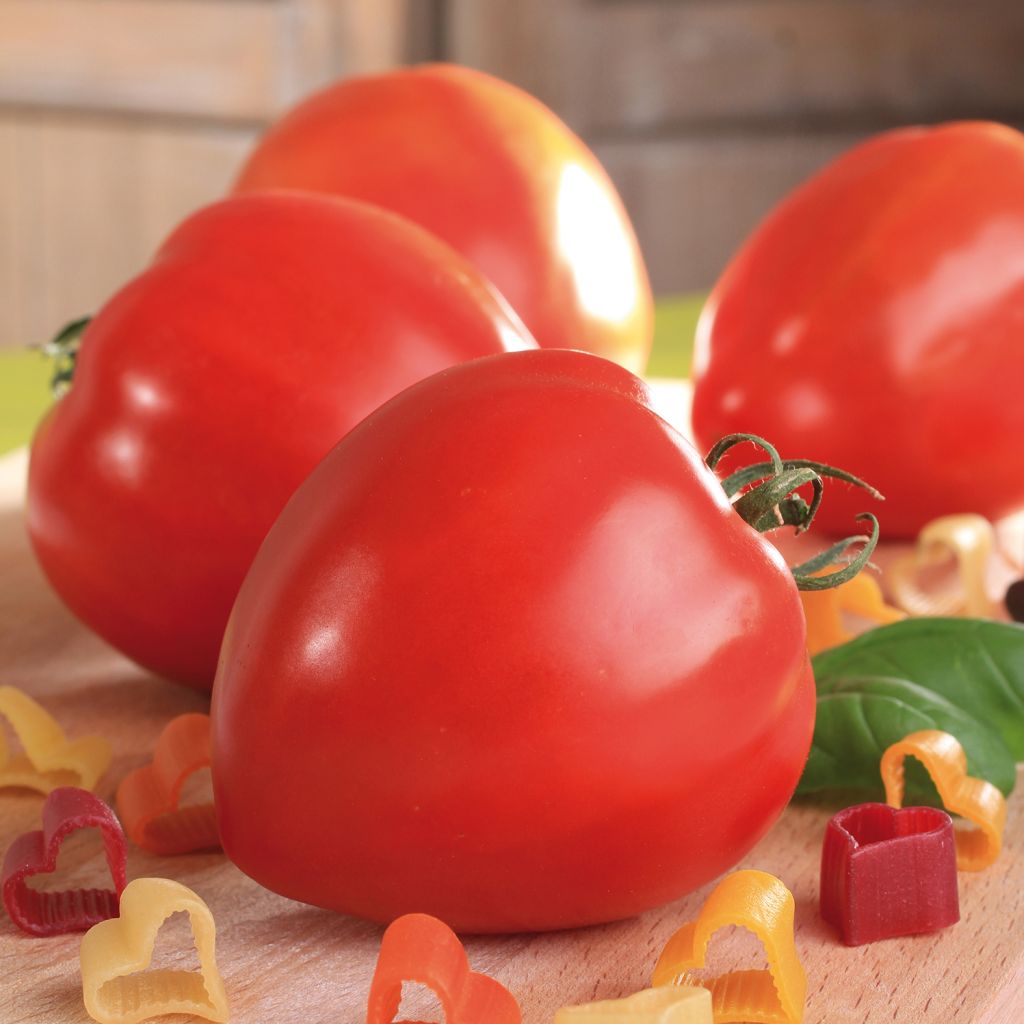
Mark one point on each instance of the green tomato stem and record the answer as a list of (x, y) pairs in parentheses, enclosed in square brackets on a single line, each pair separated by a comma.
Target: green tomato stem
[(63, 349), (763, 495)]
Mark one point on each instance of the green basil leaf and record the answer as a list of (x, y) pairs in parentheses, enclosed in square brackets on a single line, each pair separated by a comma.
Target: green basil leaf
[(987, 756), (850, 733), (975, 664)]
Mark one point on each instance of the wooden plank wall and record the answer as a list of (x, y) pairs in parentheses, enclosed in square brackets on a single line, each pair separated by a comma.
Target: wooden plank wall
[(84, 200), (707, 111), (118, 117)]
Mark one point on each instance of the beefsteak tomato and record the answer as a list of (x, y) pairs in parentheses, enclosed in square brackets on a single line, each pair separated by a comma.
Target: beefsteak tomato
[(209, 386), (494, 173), (509, 657), (876, 318)]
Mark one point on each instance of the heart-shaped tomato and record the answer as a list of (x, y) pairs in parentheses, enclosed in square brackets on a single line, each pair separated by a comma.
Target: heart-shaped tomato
[(510, 658), (874, 321), (493, 172), (209, 386)]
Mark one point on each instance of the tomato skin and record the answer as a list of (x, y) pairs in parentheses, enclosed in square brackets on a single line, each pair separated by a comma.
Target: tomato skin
[(508, 657), (875, 319), (207, 389), (494, 173)]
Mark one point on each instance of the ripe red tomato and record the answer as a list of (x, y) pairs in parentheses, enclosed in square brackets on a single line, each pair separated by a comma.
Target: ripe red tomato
[(495, 174), (876, 318), (509, 657), (209, 387)]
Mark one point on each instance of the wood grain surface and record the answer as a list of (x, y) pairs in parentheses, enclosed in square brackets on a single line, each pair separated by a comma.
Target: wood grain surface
[(283, 962)]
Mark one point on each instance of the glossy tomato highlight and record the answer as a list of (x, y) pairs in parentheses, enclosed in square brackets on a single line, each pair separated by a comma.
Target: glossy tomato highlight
[(209, 386), (493, 172), (875, 319), (509, 657)]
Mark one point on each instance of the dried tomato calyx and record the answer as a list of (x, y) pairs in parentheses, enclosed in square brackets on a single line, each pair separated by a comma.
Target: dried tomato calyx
[(763, 494), (63, 349)]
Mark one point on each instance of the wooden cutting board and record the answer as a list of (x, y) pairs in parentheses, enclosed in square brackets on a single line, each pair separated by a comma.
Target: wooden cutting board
[(283, 962)]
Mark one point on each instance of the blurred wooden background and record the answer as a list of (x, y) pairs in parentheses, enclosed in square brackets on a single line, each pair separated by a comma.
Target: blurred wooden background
[(117, 117)]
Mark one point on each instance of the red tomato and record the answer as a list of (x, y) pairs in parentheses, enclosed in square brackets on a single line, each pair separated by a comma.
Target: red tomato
[(876, 318), (495, 174), (209, 387), (509, 657)]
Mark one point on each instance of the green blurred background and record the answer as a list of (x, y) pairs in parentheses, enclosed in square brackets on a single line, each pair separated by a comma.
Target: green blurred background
[(25, 373)]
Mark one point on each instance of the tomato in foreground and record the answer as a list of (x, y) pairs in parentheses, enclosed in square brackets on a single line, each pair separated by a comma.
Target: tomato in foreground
[(876, 318), (208, 388), (493, 172), (510, 658)]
